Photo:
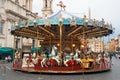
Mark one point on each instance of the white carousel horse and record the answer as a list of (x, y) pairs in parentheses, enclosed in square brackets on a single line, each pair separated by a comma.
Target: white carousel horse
[(68, 57), (17, 55), (70, 61), (76, 53), (53, 56), (43, 60), (49, 62), (76, 56), (107, 59), (103, 60), (54, 48), (57, 58), (34, 55), (98, 58), (28, 60)]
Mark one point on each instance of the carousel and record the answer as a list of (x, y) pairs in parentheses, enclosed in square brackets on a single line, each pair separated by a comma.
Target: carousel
[(63, 40)]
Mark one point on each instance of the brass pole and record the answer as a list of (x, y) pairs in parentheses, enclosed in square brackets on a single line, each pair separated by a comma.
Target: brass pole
[(14, 42), (109, 43), (60, 37), (71, 43), (50, 41), (14, 48), (37, 41), (103, 43)]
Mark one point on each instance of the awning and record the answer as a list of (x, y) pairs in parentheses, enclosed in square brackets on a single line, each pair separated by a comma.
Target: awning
[(35, 49), (6, 50)]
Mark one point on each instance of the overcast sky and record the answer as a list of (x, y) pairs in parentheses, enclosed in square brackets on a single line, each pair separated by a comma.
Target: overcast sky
[(107, 9)]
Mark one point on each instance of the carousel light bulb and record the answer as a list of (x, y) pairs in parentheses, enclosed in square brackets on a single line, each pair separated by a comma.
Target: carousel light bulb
[(60, 19), (82, 46), (73, 45), (16, 23), (58, 44)]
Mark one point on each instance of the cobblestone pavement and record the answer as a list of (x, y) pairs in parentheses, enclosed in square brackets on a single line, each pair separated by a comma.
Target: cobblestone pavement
[(9, 74)]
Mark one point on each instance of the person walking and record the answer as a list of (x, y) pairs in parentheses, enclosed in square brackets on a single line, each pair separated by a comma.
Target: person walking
[(9, 58)]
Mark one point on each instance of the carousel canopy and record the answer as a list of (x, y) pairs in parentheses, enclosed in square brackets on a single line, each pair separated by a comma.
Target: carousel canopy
[(73, 26)]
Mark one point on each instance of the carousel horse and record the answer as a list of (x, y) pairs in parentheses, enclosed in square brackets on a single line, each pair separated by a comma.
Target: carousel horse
[(17, 61), (98, 58), (45, 55), (107, 59), (30, 60), (51, 61), (34, 55), (53, 54), (54, 49), (38, 60), (17, 55), (76, 56), (67, 58), (57, 58), (70, 61), (102, 60), (43, 60), (37, 63)]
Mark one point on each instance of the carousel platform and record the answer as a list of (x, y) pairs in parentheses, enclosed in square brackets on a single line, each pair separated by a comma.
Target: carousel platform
[(31, 70), (70, 69)]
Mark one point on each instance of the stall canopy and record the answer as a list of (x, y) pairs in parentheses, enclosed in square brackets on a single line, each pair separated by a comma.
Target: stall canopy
[(35, 49), (5, 51)]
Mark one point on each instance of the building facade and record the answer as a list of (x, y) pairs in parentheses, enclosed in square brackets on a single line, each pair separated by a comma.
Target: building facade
[(47, 8), (96, 44), (11, 13), (113, 45)]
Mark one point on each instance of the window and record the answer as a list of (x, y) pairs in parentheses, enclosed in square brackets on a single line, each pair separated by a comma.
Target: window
[(2, 3), (1, 27), (46, 4), (17, 1)]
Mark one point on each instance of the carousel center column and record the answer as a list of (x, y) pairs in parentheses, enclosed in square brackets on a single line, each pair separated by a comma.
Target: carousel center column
[(60, 25), (37, 36)]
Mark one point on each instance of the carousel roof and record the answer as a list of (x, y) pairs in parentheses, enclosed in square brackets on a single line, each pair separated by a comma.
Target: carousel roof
[(64, 14), (73, 26)]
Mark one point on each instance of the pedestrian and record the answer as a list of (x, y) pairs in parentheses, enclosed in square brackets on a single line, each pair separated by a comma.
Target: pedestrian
[(6, 58), (0, 56), (9, 59)]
